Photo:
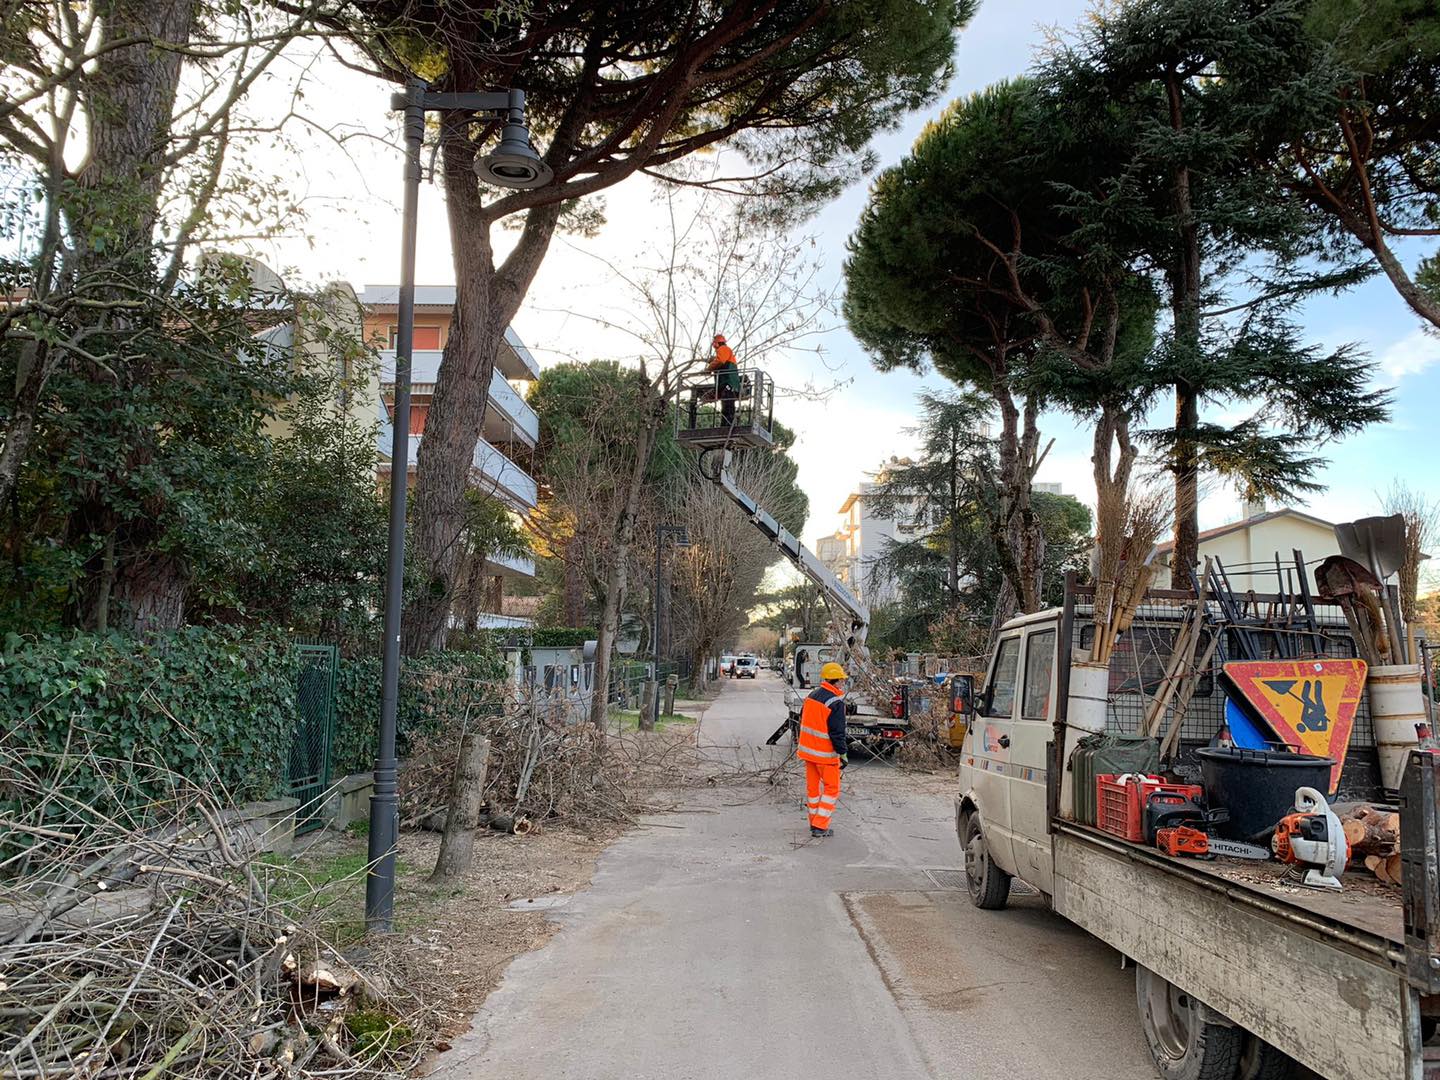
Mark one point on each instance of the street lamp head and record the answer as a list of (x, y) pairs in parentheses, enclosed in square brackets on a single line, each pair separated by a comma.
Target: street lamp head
[(514, 163)]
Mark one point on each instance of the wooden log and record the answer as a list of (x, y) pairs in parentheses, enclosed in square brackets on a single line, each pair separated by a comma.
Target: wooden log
[(467, 788), (518, 825), (1385, 867), (1371, 832)]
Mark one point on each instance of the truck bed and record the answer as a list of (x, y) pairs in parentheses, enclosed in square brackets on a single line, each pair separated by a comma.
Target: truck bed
[(1320, 975), (1364, 904)]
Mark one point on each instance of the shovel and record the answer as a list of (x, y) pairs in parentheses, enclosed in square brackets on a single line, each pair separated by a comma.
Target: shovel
[(1379, 543), (1348, 583)]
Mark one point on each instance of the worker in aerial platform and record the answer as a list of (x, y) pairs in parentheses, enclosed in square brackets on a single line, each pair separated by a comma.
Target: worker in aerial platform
[(727, 378), (821, 744)]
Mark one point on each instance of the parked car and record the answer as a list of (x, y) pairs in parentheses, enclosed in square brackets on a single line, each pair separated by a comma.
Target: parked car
[(727, 665), (746, 667)]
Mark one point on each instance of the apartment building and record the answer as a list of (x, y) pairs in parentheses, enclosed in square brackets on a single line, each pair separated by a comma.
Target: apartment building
[(852, 551), (504, 454)]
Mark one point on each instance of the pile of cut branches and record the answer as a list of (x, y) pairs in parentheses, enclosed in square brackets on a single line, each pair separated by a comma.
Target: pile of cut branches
[(157, 942), (542, 764)]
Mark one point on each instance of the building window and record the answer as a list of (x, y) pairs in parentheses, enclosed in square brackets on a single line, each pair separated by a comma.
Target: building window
[(426, 337)]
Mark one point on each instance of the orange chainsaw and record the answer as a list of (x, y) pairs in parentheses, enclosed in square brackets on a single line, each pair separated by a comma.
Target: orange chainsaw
[(1183, 840)]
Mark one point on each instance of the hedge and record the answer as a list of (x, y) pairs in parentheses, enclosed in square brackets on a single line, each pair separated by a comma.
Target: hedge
[(214, 705), (433, 688)]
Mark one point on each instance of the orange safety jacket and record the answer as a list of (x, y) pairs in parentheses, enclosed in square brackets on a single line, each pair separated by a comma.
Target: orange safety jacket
[(724, 358), (822, 726)]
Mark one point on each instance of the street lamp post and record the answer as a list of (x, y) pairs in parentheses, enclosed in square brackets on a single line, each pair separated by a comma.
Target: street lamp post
[(682, 539), (513, 164)]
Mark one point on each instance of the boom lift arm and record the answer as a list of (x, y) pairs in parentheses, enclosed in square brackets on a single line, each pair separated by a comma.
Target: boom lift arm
[(838, 598)]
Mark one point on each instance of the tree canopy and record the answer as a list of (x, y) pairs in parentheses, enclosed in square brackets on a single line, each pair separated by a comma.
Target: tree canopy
[(795, 89)]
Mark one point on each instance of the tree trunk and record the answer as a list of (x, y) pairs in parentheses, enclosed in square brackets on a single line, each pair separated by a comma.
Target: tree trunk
[(148, 595), (462, 816), (1421, 302), (1185, 307), (486, 299), (573, 588), (1015, 532), (618, 578)]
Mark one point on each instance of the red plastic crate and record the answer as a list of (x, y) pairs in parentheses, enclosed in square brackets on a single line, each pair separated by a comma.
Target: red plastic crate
[(1120, 808)]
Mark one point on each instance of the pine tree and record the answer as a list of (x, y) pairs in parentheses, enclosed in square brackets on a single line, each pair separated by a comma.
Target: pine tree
[(1230, 253)]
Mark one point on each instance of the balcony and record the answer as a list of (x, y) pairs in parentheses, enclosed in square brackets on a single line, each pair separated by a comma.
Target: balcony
[(494, 473), (506, 566), (507, 417)]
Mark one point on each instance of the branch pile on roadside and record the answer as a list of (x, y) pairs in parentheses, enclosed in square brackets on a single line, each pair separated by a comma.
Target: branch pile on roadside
[(156, 941)]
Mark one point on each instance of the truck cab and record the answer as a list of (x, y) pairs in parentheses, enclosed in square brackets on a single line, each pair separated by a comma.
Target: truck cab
[(1003, 759)]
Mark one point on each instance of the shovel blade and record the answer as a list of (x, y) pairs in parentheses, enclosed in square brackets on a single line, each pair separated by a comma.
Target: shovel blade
[(1376, 542)]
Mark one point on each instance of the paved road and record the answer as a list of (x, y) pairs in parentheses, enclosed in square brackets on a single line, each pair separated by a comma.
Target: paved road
[(735, 948)]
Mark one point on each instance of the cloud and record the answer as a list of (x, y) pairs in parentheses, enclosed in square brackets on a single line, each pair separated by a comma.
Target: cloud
[(1411, 355)]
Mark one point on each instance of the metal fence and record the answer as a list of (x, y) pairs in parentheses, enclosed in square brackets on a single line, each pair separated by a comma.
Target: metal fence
[(1138, 665), (568, 690)]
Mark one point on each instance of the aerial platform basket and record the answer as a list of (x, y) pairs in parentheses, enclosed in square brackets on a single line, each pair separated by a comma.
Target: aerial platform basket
[(734, 413)]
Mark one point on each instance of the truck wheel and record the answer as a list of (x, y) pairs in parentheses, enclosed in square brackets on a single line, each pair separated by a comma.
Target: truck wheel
[(1261, 1061), (1186, 1043), (989, 886)]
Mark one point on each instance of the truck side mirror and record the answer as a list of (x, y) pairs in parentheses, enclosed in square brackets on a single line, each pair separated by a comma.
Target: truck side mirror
[(962, 694)]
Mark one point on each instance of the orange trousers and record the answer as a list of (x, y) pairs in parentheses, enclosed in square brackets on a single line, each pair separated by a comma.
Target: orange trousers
[(822, 789)]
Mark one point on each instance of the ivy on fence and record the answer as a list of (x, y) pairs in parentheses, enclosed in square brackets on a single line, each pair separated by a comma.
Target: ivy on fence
[(99, 713), (434, 688)]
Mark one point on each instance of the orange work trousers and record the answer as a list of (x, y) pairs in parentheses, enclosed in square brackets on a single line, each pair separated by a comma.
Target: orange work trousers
[(822, 789)]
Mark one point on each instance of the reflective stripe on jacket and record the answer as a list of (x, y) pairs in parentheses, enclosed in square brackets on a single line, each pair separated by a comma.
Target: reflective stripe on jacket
[(821, 738)]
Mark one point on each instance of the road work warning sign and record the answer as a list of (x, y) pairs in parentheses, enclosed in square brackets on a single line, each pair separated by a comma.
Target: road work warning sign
[(1308, 704)]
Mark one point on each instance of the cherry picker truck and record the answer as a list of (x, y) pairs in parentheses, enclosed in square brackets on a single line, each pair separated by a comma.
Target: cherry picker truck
[(718, 438)]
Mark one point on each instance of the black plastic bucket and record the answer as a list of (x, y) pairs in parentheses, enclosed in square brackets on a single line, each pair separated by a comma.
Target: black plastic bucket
[(1257, 786)]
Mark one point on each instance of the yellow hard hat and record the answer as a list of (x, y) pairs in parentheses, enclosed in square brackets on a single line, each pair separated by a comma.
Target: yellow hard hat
[(832, 671)]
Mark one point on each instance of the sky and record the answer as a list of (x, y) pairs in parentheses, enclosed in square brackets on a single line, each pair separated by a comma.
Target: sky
[(849, 432)]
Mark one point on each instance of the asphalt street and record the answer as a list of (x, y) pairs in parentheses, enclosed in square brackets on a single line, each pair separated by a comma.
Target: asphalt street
[(722, 943)]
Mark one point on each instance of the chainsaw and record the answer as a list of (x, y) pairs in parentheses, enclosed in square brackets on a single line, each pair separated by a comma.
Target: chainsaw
[(1183, 840)]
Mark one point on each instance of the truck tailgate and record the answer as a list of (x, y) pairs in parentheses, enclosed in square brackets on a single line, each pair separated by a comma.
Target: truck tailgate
[(1333, 997)]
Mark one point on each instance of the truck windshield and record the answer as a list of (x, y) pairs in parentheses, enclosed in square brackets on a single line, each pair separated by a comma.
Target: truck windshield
[(1001, 692)]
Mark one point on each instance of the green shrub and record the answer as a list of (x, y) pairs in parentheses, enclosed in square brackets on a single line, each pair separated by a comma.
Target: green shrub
[(216, 706), (433, 688), (562, 637)]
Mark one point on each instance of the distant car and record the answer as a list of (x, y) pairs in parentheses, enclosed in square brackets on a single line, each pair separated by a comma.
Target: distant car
[(727, 665), (746, 667)]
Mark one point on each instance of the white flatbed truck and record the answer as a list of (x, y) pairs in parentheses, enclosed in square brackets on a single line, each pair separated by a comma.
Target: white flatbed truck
[(1239, 976)]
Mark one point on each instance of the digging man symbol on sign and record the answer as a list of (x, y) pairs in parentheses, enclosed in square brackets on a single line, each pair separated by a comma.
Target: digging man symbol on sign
[(1313, 716)]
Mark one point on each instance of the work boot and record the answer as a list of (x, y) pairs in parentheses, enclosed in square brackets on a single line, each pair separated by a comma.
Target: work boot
[(814, 831)]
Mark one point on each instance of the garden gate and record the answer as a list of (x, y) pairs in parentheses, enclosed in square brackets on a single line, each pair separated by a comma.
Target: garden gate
[(307, 769)]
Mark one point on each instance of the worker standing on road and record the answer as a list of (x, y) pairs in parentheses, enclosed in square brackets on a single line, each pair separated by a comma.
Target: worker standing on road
[(822, 746), (727, 378)]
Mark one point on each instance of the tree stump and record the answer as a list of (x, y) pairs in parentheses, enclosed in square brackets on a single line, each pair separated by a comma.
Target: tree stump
[(467, 789)]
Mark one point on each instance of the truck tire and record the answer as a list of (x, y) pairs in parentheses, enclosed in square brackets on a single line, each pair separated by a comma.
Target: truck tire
[(989, 886), (1185, 1038), (1261, 1061)]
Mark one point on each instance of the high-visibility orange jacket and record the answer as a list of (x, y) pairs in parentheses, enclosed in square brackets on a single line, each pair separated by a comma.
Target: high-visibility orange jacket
[(724, 357), (822, 726)]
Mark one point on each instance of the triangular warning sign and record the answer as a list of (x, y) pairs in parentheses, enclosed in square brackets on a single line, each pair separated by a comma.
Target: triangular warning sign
[(1308, 704)]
